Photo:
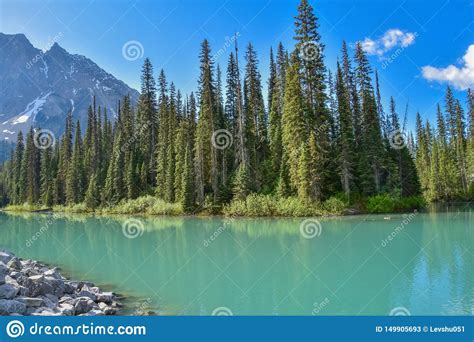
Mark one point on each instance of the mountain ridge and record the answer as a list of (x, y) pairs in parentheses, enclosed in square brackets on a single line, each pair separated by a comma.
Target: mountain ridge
[(38, 88)]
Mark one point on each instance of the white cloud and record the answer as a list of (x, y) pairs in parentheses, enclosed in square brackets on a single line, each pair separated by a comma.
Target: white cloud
[(391, 39), (460, 77)]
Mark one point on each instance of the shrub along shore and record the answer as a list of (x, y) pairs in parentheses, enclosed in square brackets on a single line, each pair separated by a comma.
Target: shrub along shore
[(254, 205)]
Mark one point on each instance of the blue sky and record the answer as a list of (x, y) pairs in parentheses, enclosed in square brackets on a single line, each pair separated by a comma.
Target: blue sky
[(422, 37)]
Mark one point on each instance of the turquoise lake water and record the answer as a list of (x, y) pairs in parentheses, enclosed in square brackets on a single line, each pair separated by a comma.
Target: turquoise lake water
[(197, 266)]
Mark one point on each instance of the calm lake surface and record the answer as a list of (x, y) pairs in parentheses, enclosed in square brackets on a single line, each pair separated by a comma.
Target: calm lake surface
[(264, 266)]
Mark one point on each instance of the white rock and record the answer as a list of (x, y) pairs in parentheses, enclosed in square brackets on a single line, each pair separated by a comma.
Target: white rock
[(52, 273), (66, 309), (30, 302)]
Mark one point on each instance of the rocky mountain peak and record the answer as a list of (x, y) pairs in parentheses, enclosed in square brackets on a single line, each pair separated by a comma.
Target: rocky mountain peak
[(44, 86)]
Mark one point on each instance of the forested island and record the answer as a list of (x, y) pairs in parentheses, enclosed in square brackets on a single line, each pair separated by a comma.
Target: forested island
[(321, 143)]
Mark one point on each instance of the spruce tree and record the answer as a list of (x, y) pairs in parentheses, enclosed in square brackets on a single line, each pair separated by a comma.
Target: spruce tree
[(47, 177), (346, 134), (162, 138), (147, 124), (31, 170), (371, 145), (470, 142), (207, 172), (294, 134), (75, 180), (17, 186), (256, 120)]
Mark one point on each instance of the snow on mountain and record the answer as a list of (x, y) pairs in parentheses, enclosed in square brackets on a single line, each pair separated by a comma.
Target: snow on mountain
[(31, 110)]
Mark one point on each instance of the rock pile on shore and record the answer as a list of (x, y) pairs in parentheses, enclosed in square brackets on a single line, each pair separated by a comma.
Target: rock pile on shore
[(28, 287)]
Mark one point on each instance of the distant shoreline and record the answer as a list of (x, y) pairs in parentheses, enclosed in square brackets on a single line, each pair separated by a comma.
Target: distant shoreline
[(346, 213), (252, 207)]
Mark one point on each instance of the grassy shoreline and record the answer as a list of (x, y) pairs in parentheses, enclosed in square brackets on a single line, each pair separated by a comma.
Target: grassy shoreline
[(252, 206)]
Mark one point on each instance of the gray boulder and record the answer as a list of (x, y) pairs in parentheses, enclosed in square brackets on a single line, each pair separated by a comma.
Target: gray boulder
[(8, 291), (83, 305), (10, 306), (105, 297), (24, 291), (15, 274), (3, 272), (108, 310), (57, 284), (37, 285), (87, 292), (14, 264), (28, 287), (5, 257)]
